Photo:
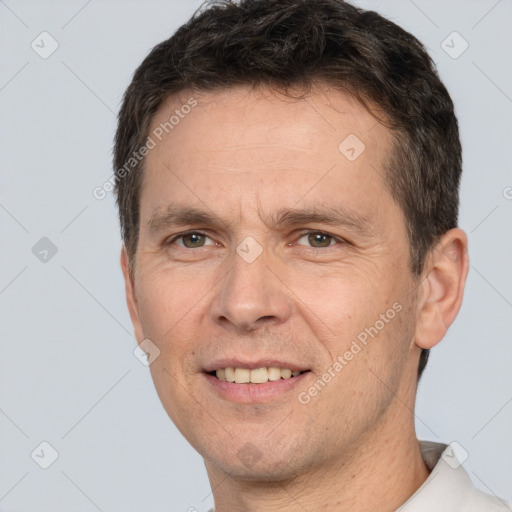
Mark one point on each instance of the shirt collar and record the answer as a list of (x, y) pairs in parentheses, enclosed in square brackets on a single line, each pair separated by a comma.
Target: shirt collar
[(447, 484)]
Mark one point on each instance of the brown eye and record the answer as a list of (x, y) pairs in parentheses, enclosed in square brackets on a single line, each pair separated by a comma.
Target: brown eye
[(191, 240)]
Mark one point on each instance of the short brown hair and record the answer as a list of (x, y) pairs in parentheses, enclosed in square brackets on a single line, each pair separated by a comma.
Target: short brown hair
[(290, 43)]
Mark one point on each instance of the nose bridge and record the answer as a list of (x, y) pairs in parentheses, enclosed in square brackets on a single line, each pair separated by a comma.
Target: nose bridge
[(250, 293)]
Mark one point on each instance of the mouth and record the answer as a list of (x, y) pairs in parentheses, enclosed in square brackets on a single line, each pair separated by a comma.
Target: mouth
[(260, 375), (257, 382)]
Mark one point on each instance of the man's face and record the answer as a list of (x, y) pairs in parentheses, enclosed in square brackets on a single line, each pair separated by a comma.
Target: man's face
[(259, 282)]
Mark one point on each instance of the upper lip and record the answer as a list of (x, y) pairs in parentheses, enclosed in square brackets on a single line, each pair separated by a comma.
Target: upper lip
[(252, 365)]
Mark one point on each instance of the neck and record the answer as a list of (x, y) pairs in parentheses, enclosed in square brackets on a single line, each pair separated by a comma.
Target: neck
[(381, 472)]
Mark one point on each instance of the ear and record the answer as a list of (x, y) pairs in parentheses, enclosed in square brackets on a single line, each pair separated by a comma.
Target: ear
[(131, 298), (442, 288)]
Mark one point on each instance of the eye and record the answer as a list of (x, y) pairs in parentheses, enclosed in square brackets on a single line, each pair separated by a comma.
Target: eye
[(318, 239), (191, 240)]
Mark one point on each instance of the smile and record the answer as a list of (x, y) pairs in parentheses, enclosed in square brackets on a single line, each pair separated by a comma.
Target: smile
[(254, 376)]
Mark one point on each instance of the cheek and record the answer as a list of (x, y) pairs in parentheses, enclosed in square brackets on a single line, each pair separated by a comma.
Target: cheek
[(369, 357), (343, 302), (167, 303), (361, 319)]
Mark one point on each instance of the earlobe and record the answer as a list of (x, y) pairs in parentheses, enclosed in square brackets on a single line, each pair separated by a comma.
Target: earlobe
[(442, 288), (131, 298)]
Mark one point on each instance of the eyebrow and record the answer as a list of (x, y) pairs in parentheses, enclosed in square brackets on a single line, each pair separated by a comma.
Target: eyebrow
[(174, 216)]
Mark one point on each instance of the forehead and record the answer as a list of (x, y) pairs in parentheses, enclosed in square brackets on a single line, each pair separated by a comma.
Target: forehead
[(314, 123), (259, 147)]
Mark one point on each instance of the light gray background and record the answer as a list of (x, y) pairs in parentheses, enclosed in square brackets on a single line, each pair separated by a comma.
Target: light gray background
[(68, 375)]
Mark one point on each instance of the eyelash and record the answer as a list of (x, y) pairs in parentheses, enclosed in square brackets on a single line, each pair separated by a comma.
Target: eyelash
[(302, 234)]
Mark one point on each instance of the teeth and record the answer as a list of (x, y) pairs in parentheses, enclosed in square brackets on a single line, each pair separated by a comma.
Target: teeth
[(286, 373), (242, 375), (256, 376), (259, 375), (229, 374), (274, 373)]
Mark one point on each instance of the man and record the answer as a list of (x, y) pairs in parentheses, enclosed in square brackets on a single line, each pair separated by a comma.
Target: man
[(287, 183)]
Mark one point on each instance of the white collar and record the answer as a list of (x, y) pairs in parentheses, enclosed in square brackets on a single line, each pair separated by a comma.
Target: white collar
[(448, 487)]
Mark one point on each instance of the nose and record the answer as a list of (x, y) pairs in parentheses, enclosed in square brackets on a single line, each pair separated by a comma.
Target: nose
[(251, 295)]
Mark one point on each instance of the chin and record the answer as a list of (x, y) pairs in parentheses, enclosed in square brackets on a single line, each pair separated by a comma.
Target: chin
[(252, 464), (262, 473)]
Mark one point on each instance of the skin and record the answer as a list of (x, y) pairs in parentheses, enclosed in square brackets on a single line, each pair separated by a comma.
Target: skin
[(243, 156)]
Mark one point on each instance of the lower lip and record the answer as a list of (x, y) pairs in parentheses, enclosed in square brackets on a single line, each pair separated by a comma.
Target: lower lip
[(252, 393)]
